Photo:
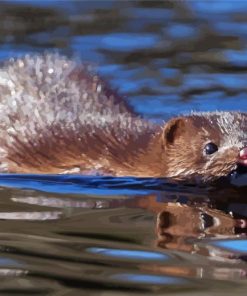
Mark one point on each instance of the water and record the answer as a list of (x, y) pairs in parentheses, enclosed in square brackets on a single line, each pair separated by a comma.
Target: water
[(69, 235)]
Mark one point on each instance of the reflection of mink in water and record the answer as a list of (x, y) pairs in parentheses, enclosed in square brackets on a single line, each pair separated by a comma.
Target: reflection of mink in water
[(177, 222), (57, 116)]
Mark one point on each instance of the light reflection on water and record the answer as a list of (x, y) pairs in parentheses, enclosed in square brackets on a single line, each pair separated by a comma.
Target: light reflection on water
[(158, 238), (129, 254), (148, 279)]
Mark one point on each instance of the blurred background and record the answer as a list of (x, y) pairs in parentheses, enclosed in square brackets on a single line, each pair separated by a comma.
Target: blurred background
[(166, 57)]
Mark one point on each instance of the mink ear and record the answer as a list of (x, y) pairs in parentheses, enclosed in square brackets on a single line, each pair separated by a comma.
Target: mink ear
[(172, 130)]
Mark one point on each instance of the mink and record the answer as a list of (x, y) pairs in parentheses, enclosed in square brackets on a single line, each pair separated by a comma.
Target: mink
[(58, 116)]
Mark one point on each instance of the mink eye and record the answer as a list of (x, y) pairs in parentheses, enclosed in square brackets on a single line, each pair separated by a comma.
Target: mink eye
[(210, 148)]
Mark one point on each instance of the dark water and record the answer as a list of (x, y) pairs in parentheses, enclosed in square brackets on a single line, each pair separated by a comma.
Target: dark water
[(83, 235)]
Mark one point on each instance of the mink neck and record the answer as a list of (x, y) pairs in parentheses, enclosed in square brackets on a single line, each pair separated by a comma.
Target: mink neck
[(149, 162), (127, 146), (138, 152)]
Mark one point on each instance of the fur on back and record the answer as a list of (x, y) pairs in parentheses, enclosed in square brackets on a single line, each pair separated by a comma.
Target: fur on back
[(48, 101)]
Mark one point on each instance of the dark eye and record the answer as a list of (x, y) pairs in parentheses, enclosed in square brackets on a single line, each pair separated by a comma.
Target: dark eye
[(210, 148)]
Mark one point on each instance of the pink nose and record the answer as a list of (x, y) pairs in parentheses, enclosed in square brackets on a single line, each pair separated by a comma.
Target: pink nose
[(243, 156)]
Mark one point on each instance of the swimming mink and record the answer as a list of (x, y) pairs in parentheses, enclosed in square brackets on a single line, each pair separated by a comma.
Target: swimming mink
[(58, 116)]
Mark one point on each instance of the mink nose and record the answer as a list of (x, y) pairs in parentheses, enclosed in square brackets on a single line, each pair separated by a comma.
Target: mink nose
[(242, 159)]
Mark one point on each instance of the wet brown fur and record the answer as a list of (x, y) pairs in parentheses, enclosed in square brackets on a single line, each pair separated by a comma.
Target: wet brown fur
[(59, 117)]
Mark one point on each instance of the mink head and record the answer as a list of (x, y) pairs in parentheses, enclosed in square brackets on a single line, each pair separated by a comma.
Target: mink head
[(203, 147)]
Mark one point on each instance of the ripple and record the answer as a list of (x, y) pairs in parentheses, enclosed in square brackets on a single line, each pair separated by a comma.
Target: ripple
[(128, 41)]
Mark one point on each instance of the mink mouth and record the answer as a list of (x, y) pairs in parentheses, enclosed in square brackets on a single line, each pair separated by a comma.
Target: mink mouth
[(239, 171), (236, 177), (207, 221)]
